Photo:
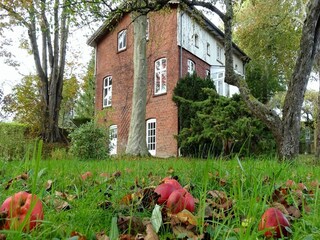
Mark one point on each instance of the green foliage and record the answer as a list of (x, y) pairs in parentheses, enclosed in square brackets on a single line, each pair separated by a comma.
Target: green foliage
[(224, 126), (189, 88), (263, 80), (14, 141), (25, 103), (69, 96), (269, 32), (89, 141), (84, 108)]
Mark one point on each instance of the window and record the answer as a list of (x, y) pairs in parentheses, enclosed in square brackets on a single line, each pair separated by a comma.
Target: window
[(196, 40), (151, 136), (160, 76), (107, 91), (113, 139), (208, 49), (122, 40), (219, 52), (191, 67), (222, 88), (208, 75)]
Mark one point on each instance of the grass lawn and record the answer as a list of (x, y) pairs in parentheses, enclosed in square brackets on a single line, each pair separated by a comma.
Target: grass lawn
[(89, 206)]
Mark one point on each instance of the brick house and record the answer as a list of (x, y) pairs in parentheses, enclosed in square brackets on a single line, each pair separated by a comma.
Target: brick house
[(178, 44)]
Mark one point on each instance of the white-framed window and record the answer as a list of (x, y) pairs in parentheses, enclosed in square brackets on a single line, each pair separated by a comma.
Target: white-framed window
[(191, 66), (107, 91), (219, 52), (160, 76), (113, 139), (196, 40), (208, 49), (122, 40), (151, 136), (222, 88)]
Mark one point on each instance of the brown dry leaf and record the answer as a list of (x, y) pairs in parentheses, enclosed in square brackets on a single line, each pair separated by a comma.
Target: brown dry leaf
[(104, 175), (79, 235), (116, 174), (294, 212), (281, 207), (183, 232), (131, 222), (126, 237), (170, 171), (102, 236), (57, 203), (151, 235), (187, 217), (49, 185), (23, 176), (105, 205), (3, 237), (86, 175)]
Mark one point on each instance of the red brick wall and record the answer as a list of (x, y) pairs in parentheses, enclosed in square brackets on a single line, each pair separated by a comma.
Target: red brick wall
[(162, 43)]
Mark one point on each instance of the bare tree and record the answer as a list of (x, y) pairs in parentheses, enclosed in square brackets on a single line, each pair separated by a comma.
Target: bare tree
[(49, 22)]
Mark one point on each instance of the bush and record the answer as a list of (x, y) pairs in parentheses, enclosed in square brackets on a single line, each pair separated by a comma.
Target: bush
[(89, 141), (14, 141)]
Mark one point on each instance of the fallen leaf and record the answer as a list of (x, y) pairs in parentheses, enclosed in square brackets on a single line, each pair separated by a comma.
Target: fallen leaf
[(151, 235), (49, 185), (3, 237), (187, 217), (102, 236), (23, 176), (78, 235)]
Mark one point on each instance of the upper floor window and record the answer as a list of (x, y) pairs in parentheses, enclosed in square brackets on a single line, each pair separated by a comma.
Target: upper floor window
[(191, 67), (107, 91), (219, 52), (196, 40), (122, 40), (208, 49), (160, 76)]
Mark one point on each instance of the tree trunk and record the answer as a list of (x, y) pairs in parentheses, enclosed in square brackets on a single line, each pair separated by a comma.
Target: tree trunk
[(286, 130), (54, 54), (137, 145), (317, 129)]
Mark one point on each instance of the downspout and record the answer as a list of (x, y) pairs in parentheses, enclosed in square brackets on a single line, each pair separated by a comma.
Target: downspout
[(181, 50)]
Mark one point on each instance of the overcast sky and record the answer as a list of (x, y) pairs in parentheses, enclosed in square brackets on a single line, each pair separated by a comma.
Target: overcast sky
[(10, 76)]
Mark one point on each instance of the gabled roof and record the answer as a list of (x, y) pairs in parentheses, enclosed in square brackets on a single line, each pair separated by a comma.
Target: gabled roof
[(111, 21), (115, 17)]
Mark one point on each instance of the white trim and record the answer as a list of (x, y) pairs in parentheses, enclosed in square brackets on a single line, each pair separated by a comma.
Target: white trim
[(151, 128), (113, 139), (191, 66), (107, 91), (122, 40), (160, 76)]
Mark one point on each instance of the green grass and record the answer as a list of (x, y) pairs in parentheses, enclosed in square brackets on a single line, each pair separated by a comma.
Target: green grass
[(249, 186)]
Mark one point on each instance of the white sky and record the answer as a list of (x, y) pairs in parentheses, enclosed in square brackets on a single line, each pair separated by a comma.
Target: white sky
[(10, 76)]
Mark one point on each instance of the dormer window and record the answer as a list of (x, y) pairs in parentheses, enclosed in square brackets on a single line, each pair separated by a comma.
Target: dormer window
[(208, 49), (219, 52), (122, 40), (196, 40)]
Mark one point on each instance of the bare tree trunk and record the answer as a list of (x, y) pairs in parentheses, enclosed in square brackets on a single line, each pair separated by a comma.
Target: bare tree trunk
[(137, 145), (286, 130), (54, 54), (317, 129)]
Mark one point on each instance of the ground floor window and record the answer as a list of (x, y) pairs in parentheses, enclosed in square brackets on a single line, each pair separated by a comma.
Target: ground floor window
[(151, 136), (113, 139)]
